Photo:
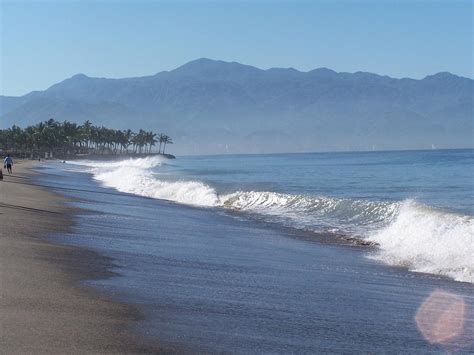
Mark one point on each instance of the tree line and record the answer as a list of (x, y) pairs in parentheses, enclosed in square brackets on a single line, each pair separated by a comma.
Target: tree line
[(68, 138)]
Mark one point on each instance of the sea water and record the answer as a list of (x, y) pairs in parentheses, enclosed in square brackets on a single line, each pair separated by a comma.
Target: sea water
[(235, 253), (417, 206)]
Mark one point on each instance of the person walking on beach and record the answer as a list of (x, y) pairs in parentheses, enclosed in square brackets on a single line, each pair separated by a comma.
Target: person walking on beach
[(8, 163)]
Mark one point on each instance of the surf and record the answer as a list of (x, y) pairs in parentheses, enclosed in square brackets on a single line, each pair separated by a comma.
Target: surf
[(407, 233), (136, 176), (429, 240)]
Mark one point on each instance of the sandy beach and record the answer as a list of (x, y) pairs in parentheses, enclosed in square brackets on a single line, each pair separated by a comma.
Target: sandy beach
[(195, 280), (43, 307), (220, 279)]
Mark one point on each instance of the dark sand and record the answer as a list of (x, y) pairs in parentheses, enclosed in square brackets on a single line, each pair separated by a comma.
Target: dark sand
[(43, 307)]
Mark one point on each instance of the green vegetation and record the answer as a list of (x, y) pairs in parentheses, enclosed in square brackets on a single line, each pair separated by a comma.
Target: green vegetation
[(67, 139)]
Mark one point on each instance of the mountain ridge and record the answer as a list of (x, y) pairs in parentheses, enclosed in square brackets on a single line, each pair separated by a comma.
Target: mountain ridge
[(211, 106), (82, 75)]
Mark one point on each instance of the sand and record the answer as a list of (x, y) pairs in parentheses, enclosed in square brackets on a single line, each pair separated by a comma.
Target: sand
[(43, 306)]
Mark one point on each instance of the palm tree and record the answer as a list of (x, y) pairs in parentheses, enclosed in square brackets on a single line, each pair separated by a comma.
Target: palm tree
[(86, 132), (69, 138), (128, 135), (151, 140), (161, 139), (166, 140)]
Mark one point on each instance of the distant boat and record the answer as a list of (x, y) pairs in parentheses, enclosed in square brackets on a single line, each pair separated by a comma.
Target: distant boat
[(433, 147)]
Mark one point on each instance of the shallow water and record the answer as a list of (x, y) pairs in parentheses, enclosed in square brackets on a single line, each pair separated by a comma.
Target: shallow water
[(218, 279), (418, 205)]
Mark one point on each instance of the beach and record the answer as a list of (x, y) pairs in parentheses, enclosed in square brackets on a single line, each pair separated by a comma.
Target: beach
[(236, 177), (43, 307), (262, 272), (92, 267)]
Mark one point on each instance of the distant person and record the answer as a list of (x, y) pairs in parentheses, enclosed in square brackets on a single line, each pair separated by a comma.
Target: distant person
[(8, 164)]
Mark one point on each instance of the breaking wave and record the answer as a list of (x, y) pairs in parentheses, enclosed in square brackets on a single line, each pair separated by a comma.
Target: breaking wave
[(310, 212), (407, 233), (135, 176), (428, 240)]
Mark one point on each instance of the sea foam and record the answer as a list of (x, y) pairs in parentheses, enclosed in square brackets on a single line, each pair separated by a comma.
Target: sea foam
[(408, 233), (428, 240)]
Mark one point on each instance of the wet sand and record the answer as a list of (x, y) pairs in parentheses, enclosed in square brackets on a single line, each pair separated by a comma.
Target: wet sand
[(212, 282), (43, 307), (205, 282)]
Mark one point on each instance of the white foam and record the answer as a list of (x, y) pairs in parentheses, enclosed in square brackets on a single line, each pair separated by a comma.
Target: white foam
[(409, 234), (142, 163), (144, 183), (314, 211), (428, 240)]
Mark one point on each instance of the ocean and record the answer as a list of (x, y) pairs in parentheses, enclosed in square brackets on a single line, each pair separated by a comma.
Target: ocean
[(317, 252)]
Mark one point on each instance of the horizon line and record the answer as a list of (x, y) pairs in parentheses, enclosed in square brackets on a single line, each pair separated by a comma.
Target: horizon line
[(330, 152)]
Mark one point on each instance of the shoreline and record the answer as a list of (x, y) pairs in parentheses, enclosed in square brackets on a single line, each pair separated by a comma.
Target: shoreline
[(43, 305), (209, 282), (189, 281)]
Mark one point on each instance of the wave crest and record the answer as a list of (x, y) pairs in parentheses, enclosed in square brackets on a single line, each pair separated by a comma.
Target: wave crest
[(408, 233), (144, 183), (314, 211), (141, 163), (428, 240)]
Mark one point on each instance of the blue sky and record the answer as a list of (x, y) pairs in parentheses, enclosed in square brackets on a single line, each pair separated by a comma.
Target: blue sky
[(45, 42)]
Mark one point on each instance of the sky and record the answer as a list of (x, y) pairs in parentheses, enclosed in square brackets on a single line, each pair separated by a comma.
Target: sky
[(43, 43)]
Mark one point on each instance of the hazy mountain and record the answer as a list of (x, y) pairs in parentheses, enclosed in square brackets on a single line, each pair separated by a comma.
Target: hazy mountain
[(212, 106)]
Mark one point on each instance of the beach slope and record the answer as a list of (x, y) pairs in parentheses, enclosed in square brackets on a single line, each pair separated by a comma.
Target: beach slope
[(43, 308)]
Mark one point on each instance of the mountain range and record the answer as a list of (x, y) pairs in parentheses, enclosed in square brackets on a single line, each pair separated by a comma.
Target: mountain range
[(209, 106)]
